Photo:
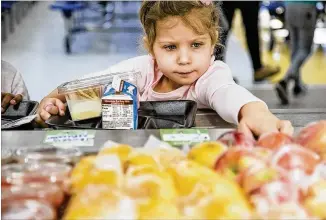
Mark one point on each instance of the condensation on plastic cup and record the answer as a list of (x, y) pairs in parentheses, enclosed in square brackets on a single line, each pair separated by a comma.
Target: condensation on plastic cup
[(48, 154), (50, 193), (27, 209), (19, 174)]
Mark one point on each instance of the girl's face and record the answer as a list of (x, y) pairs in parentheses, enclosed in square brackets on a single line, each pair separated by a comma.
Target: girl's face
[(182, 55)]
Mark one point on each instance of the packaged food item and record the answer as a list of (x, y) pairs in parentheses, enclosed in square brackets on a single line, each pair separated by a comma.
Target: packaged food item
[(207, 153), (236, 139), (36, 154), (101, 202), (274, 140), (298, 161), (27, 210), (101, 169), (111, 148), (237, 159), (316, 199), (19, 174), (120, 106), (6, 156), (50, 193), (313, 136), (84, 95)]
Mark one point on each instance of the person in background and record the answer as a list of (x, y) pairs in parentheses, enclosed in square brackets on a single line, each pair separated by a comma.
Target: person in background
[(13, 88), (249, 12), (180, 37), (300, 18)]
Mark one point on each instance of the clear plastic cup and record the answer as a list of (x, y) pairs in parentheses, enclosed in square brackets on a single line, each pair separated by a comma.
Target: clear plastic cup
[(50, 193), (84, 95), (27, 210), (20, 174), (48, 154), (6, 156)]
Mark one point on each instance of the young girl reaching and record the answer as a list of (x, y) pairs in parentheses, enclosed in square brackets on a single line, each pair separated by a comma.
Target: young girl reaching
[(180, 37)]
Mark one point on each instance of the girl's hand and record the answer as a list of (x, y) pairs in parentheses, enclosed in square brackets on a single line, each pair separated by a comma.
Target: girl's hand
[(48, 107), (256, 119)]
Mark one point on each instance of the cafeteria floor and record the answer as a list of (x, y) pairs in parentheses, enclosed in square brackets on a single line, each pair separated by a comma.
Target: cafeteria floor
[(36, 50)]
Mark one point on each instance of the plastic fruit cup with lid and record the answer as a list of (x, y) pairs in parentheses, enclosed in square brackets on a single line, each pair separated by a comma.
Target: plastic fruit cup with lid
[(50, 193), (27, 210), (18, 174), (48, 154)]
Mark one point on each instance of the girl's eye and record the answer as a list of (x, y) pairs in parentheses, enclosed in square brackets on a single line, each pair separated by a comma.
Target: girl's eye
[(170, 47), (196, 45)]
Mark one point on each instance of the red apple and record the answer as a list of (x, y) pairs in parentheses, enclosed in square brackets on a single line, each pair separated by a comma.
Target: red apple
[(236, 160), (275, 193), (319, 174), (313, 137), (236, 139), (257, 176), (274, 140), (299, 162)]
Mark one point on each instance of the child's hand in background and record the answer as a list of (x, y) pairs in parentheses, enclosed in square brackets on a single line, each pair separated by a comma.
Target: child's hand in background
[(255, 118), (9, 99), (48, 107)]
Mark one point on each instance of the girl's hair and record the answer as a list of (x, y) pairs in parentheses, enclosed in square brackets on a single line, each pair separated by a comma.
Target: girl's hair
[(195, 14)]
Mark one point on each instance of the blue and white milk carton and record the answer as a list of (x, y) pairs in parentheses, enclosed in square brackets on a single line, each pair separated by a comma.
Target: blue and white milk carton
[(120, 106)]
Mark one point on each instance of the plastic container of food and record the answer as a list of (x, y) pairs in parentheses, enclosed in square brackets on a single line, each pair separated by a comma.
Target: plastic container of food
[(84, 96), (48, 154), (27, 210), (6, 156), (50, 193), (20, 174)]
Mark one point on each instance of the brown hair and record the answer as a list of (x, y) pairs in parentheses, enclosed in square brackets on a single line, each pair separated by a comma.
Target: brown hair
[(195, 14)]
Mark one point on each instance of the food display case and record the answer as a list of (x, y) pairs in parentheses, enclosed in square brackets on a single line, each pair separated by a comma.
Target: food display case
[(132, 174), (124, 175)]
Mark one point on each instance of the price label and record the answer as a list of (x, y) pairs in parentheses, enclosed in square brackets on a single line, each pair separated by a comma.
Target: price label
[(180, 137), (66, 138)]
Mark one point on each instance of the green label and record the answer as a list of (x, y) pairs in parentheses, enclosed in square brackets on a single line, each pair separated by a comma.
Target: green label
[(179, 137), (66, 138)]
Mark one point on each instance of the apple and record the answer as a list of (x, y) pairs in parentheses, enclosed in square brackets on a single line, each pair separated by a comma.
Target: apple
[(313, 137), (315, 202), (257, 176), (275, 193), (274, 140), (207, 153), (299, 162), (236, 160), (236, 139)]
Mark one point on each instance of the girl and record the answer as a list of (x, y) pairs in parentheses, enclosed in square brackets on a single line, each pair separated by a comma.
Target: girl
[(180, 37)]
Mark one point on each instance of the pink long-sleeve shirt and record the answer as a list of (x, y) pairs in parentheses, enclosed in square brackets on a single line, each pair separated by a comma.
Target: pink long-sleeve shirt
[(215, 89)]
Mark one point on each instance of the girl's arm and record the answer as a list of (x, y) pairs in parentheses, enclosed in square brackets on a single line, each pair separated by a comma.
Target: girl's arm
[(236, 104)]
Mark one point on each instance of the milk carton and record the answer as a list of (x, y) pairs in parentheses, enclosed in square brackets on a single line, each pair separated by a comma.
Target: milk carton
[(119, 106)]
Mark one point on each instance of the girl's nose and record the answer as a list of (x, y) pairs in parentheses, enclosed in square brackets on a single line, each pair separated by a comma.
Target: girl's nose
[(184, 57)]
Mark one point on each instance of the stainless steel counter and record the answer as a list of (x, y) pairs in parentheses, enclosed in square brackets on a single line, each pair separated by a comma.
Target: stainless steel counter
[(204, 119), (298, 117), (16, 139)]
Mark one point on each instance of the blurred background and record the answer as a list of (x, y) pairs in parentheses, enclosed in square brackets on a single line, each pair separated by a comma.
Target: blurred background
[(51, 42)]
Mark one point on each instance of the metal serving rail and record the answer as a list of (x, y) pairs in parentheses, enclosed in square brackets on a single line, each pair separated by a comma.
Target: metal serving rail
[(137, 138)]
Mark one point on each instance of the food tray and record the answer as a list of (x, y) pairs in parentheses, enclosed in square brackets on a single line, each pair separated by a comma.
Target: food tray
[(23, 109), (152, 115)]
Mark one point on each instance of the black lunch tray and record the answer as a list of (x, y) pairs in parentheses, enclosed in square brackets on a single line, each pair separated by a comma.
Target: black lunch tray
[(15, 112), (151, 115)]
